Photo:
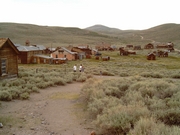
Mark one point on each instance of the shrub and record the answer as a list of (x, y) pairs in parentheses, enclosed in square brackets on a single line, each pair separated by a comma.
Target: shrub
[(176, 76), (15, 92), (170, 116), (123, 74), (35, 89), (82, 78), (24, 96), (5, 96), (59, 81), (149, 126), (151, 74), (120, 119)]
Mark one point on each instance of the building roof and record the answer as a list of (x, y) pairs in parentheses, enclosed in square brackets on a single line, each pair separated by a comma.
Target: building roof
[(43, 56), (4, 40), (30, 48), (65, 49), (41, 47)]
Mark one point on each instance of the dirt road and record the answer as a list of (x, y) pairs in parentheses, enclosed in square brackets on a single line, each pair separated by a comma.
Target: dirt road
[(53, 111)]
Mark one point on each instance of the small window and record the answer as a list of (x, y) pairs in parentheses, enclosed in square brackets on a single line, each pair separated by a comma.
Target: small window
[(56, 56), (44, 60), (3, 66)]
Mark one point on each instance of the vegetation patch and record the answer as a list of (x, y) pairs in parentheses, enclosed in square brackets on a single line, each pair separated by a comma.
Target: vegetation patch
[(68, 95)]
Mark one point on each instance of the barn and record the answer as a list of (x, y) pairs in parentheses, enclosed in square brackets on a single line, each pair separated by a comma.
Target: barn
[(8, 59)]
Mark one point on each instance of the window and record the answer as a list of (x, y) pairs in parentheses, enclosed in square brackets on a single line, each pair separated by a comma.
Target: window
[(56, 56), (3, 66)]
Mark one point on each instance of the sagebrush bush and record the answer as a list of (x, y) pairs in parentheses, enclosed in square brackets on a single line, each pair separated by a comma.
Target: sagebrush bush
[(5, 96), (24, 96), (137, 97), (82, 78), (35, 89), (120, 119), (15, 92), (170, 116), (149, 126)]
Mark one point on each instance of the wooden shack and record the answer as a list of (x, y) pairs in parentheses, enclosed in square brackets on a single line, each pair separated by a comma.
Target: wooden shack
[(151, 56), (8, 59), (149, 46)]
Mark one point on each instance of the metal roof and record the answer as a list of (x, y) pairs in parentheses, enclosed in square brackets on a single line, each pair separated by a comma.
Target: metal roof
[(43, 56), (68, 51), (29, 48)]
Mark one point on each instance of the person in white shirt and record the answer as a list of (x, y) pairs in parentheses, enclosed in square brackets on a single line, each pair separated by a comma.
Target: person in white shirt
[(80, 68), (75, 68)]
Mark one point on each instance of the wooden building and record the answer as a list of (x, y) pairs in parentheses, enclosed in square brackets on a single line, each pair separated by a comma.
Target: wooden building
[(103, 47), (169, 46), (27, 53), (63, 52), (151, 56), (8, 59), (149, 46), (41, 59)]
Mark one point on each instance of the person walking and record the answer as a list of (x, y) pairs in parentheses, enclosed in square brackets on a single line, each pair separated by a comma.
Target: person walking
[(74, 68), (80, 68)]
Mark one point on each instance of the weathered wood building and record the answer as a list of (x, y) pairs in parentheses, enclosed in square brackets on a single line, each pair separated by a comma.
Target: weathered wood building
[(8, 59), (149, 46), (32, 54)]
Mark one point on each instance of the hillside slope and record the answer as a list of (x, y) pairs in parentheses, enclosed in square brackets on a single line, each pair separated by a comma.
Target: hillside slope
[(58, 36), (62, 36), (163, 33)]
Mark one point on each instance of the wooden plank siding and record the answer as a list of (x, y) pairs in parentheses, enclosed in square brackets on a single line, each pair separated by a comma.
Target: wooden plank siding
[(8, 59)]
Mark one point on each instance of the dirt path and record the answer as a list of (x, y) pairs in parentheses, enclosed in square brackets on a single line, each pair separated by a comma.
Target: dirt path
[(54, 111)]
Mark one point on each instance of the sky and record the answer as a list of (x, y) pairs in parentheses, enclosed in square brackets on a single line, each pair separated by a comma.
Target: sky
[(121, 14)]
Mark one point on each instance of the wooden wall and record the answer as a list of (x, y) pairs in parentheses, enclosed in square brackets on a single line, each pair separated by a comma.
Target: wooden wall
[(10, 56)]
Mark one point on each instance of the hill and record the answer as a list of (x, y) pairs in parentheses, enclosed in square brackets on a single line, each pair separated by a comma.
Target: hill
[(63, 36), (163, 33), (56, 36)]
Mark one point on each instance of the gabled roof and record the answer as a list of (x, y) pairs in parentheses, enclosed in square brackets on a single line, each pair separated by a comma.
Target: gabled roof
[(30, 48), (4, 40), (65, 49), (27, 48)]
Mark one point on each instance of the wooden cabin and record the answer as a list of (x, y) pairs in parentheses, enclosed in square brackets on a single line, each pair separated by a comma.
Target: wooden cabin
[(8, 59), (149, 46), (151, 56), (125, 52)]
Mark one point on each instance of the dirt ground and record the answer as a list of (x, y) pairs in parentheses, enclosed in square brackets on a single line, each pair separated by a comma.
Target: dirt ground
[(53, 111)]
